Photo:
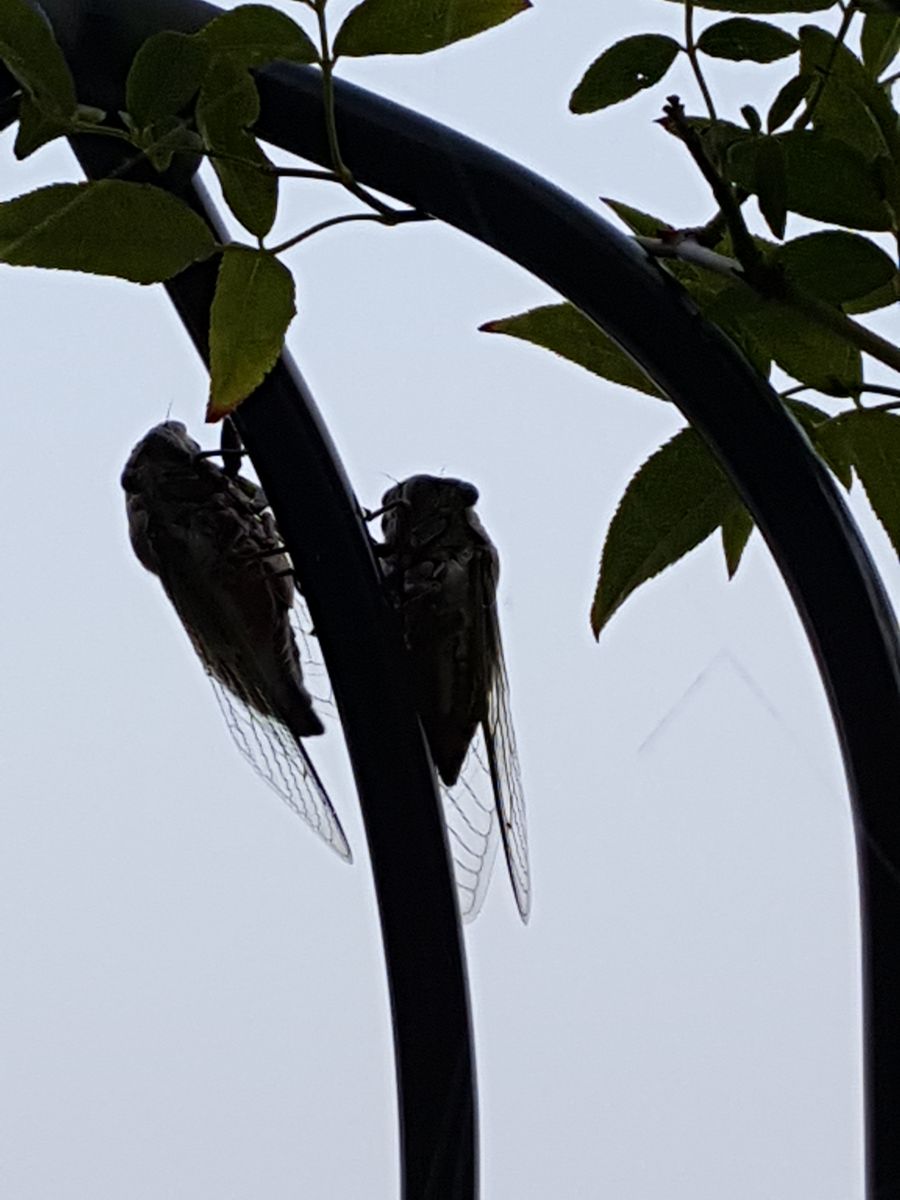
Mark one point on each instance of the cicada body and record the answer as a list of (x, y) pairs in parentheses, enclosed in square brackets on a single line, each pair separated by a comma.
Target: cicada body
[(442, 568), (211, 540)]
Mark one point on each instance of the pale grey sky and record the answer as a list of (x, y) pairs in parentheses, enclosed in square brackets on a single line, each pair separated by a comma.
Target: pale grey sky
[(195, 1005)]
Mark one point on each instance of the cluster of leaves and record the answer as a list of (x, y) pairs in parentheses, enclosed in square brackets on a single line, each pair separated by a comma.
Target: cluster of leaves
[(789, 303), (191, 96)]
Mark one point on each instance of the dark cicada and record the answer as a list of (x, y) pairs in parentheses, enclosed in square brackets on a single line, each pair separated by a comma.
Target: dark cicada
[(210, 538), (442, 568)]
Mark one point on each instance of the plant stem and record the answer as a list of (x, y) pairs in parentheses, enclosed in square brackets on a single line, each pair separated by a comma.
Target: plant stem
[(690, 47), (745, 248), (394, 217), (340, 168)]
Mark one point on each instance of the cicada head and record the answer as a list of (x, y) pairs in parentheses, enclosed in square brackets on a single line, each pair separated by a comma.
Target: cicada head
[(167, 449), (422, 507)]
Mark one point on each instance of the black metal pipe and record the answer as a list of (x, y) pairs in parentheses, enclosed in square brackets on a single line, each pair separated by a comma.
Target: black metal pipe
[(836, 590)]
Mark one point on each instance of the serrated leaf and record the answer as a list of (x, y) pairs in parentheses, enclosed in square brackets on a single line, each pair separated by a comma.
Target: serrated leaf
[(808, 352), (740, 40), (732, 309), (638, 222), (771, 184), (255, 34), (227, 107), (879, 41), (131, 230), (762, 6), (33, 57), (828, 438), (835, 266), (251, 311), (675, 501), (813, 162), (788, 100), (165, 75), (771, 329), (570, 334), (418, 26), (737, 525), (624, 70), (873, 439)]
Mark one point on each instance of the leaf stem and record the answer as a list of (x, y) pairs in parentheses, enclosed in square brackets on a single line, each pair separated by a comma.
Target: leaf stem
[(343, 172), (394, 217), (690, 47)]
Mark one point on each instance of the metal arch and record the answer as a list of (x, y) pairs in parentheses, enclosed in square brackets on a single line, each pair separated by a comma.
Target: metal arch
[(837, 592)]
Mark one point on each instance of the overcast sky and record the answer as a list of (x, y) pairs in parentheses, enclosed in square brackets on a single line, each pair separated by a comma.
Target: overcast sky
[(195, 1004)]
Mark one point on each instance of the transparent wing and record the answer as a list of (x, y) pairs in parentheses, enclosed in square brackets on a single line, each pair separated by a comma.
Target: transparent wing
[(506, 780), (270, 747), (473, 832), (283, 763)]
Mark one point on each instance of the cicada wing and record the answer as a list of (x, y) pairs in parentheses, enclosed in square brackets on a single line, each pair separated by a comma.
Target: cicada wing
[(503, 767), (473, 832), (279, 759), (315, 673), (275, 755)]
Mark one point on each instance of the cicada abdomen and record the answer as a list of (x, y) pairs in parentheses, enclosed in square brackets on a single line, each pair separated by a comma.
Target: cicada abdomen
[(442, 568), (209, 537)]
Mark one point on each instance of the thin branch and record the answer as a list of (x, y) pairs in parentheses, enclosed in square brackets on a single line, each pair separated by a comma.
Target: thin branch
[(691, 50), (675, 121)]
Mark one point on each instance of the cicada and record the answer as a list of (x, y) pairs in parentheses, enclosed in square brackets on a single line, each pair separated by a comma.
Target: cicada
[(442, 569), (210, 538)]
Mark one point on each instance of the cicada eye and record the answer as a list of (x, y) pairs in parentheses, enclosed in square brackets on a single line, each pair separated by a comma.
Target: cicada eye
[(468, 493)]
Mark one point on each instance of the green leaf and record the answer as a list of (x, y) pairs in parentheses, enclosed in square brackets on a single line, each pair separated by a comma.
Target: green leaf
[(228, 105), (33, 57), (731, 309), (879, 41), (165, 76), (882, 297), (873, 440), (812, 164), (788, 100), (30, 51), (772, 329), (251, 310), (762, 6), (835, 266), (418, 26), (36, 128), (675, 501), (827, 437), (638, 222), (739, 39), (752, 117), (771, 184), (821, 54), (624, 70), (570, 334), (737, 525), (254, 35), (131, 230), (808, 352)]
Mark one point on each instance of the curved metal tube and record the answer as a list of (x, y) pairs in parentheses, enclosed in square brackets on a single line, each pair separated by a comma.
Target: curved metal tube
[(818, 549)]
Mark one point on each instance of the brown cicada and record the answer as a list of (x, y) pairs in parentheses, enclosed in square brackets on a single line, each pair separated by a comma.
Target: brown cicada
[(210, 538), (442, 569)]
